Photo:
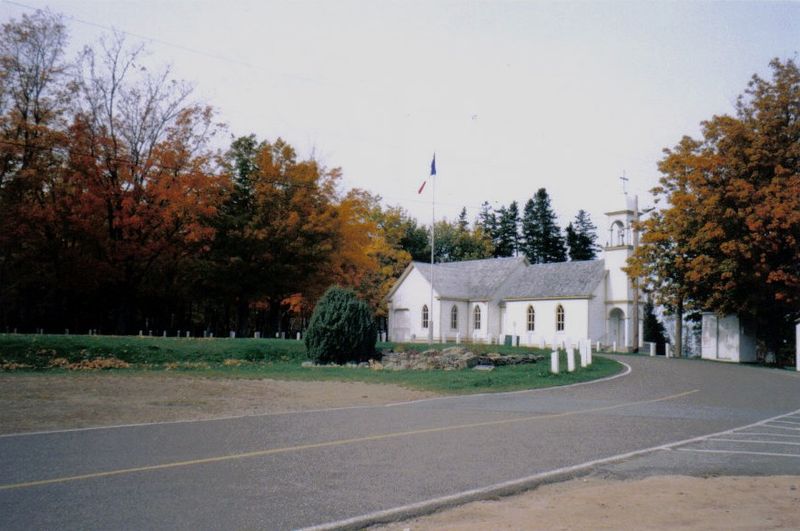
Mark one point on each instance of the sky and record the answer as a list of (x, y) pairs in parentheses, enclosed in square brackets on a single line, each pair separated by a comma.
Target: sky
[(512, 96)]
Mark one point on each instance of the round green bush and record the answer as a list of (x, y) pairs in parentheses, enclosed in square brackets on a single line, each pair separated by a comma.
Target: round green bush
[(342, 329)]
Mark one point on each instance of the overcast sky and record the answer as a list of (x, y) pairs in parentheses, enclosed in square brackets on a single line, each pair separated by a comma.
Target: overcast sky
[(512, 96)]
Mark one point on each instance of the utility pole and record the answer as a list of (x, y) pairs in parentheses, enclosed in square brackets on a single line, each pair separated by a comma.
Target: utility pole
[(635, 280)]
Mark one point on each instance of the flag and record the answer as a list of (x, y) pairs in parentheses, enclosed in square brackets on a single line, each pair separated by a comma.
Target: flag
[(433, 172)]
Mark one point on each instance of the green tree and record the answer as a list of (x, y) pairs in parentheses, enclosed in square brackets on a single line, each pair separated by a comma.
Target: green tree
[(542, 237), (653, 330), (507, 236), (581, 237), (342, 328)]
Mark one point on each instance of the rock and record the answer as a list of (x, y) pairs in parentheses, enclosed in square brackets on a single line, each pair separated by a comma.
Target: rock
[(307, 364), (483, 368)]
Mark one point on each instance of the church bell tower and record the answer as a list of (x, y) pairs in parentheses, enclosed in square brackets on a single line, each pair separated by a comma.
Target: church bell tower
[(621, 308)]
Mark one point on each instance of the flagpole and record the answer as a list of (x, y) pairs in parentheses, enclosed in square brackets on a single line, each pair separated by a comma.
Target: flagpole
[(433, 243)]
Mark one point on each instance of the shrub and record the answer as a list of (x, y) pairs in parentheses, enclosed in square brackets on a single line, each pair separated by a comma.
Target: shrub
[(342, 329)]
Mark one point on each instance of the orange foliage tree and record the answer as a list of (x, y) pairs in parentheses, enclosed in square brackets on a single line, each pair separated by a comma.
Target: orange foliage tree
[(728, 237)]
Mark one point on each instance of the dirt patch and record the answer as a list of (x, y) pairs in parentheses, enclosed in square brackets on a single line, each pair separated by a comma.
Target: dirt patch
[(664, 502), (48, 402)]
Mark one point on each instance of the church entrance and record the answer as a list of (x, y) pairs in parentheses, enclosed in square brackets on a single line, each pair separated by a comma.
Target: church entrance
[(616, 328)]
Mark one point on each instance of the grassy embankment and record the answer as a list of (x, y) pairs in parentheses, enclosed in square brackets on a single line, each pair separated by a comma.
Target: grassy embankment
[(270, 358)]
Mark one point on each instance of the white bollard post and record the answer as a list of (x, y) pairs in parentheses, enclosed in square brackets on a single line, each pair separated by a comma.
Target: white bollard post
[(570, 361), (598, 346), (797, 345), (614, 346), (458, 338), (666, 350), (554, 362), (652, 349)]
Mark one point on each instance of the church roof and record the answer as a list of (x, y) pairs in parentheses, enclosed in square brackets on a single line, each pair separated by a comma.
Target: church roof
[(513, 278), (472, 279), (556, 280)]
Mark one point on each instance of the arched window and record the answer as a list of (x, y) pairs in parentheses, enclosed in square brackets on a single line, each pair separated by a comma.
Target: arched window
[(424, 316), (531, 319), (617, 233), (559, 318), (477, 317), (454, 317)]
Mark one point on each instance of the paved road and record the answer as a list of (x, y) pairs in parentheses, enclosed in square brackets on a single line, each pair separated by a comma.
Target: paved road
[(304, 469)]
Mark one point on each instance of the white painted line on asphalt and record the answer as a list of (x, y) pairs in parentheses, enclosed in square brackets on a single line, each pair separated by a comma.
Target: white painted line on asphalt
[(187, 421), (305, 411), (626, 372), (513, 486), (770, 454), (751, 441), (780, 427), (786, 422), (763, 434)]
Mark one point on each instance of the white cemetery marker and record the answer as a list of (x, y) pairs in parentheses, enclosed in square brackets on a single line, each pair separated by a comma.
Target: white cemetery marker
[(178, 334), (652, 349), (554, 362), (298, 336), (66, 331), (164, 334), (140, 333), (211, 334), (614, 346), (570, 361), (257, 335), (598, 346), (458, 338), (589, 351), (579, 351), (187, 333)]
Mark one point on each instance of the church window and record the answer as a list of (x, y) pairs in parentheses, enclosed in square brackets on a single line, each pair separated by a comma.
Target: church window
[(425, 316), (477, 317), (559, 318), (454, 317), (531, 319)]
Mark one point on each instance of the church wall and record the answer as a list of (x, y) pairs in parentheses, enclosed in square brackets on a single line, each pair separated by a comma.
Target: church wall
[(405, 311), (463, 314), (597, 313), (576, 320)]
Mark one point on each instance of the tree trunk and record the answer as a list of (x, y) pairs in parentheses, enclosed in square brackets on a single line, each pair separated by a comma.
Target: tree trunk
[(679, 329)]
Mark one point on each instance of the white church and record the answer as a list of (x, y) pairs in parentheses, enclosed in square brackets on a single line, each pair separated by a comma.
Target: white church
[(487, 300)]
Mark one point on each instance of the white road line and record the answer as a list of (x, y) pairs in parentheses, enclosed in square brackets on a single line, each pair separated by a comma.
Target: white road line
[(771, 454), (781, 427), (513, 486), (786, 422), (765, 434), (626, 372), (750, 441)]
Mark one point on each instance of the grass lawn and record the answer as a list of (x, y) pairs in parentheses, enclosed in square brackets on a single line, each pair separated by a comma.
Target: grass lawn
[(276, 359)]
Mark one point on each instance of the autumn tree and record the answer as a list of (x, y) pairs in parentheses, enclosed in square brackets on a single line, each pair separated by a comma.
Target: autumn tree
[(728, 236)]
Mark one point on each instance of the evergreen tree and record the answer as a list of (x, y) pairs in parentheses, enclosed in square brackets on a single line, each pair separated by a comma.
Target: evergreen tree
[(528, 245), (582, 238), (543, 241), (507, 238), (463, 224), (488, 222)]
